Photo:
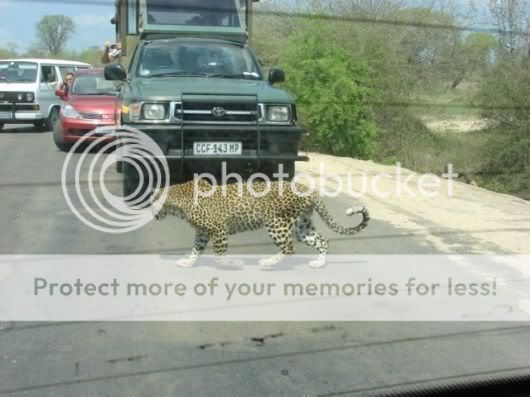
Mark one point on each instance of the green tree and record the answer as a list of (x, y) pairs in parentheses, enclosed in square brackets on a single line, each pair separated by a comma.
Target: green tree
[(472, 57), (332, 90), (53, 31), (91, 55)]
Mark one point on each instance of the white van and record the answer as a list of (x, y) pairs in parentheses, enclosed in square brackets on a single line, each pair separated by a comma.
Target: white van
[(27, 90)]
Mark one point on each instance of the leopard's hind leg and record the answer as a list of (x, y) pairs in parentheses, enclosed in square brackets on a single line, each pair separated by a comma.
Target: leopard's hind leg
[(280, 230), (305, 233)]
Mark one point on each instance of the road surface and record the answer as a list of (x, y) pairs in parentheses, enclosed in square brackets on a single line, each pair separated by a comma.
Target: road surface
[(216, 359)]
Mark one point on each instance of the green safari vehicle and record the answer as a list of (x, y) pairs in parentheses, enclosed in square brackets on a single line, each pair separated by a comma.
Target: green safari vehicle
[(196, 88)]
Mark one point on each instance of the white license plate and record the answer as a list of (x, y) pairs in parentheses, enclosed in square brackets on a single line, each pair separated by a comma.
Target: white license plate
[(5, 116), (217, 148)]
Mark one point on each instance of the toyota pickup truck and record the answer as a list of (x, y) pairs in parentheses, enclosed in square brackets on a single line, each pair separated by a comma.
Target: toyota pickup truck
[(202, 95)]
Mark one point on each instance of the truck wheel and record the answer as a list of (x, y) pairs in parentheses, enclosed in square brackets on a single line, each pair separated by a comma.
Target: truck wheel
[(1, 125), (48, 123), (131, 181), (58, 138), (40, 125)]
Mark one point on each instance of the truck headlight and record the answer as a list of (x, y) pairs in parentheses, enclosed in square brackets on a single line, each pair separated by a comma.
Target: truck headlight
[(154, 111), (20, 97), (278, 113), (30, 97)]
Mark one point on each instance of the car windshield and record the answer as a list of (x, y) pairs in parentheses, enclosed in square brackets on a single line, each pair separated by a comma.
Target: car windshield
[(90, 84), (18, 72), (170, 57)]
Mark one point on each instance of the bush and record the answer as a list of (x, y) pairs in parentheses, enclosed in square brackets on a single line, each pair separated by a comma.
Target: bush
[(508, 105), (332, 89)]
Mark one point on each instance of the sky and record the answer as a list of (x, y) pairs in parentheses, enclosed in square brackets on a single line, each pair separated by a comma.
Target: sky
[(92, 17)]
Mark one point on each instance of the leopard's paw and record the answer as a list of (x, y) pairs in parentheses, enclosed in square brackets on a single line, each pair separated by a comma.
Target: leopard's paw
[(270, 262), (186, 262)]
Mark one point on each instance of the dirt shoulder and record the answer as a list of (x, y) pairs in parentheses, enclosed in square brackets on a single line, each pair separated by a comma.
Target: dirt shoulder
[(459, 218)]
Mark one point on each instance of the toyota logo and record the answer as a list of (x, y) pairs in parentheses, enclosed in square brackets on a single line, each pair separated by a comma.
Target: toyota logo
[(218, 111)]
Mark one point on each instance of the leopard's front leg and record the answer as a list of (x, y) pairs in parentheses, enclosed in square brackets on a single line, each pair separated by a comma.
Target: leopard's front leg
[(199, 245), (220, 245)]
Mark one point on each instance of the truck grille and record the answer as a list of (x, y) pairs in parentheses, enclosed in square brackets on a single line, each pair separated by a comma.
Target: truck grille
[(8, 107), (214, 112), (9, 96)]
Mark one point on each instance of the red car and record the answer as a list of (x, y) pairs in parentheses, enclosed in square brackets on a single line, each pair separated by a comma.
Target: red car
[(89, 103)]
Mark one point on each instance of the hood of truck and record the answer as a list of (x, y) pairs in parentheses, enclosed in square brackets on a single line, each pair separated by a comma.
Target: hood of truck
[(173, 88)]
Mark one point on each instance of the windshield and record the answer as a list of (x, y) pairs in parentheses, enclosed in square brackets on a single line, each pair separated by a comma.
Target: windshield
[(195, 58), (18, 72), (89, 84), (190, 12)]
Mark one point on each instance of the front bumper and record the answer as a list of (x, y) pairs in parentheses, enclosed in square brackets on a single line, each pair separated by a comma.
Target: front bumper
[(260, 143), (12, 113), (75, 129)]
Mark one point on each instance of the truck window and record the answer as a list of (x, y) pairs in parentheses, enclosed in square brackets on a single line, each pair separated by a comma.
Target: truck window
[(195, 58), (132, 15), (48, 74), (18, 72), (196, 13)]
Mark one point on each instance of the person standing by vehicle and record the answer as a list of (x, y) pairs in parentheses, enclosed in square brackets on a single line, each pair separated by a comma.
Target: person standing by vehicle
[(67, 83), (111, 52)]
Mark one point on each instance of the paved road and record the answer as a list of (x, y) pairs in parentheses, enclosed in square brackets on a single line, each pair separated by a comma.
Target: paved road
[(212, 359)]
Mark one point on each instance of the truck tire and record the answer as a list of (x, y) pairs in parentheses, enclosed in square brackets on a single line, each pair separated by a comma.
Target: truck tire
[(131, 181), (40, 125), (1, 126), (47, 124)]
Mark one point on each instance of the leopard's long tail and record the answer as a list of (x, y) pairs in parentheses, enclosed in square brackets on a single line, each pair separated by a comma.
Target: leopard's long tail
[(321, 209)]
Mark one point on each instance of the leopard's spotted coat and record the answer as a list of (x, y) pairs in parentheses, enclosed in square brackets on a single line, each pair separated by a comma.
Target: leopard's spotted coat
[(231, 209)]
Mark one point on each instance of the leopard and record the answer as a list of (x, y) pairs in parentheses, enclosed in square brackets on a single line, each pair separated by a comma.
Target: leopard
[(283, 209)]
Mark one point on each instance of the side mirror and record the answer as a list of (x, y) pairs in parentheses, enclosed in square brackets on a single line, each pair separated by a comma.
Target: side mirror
[(276, 76), (61, 93), (115, 72)]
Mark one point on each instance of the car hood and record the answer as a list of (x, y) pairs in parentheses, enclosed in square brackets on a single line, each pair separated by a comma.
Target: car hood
[(103, 104), (172, 88)]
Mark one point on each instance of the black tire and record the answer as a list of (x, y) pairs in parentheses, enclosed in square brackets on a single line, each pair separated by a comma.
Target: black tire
[(57, 137), (53, 119), (47, 124), (131, 181), (40, 125), (1, 126)]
